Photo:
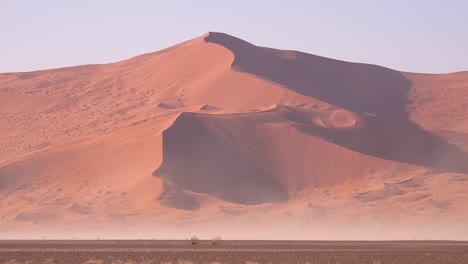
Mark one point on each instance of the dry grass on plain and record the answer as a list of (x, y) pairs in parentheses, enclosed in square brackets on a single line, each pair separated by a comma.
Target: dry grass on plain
[(232, 252)]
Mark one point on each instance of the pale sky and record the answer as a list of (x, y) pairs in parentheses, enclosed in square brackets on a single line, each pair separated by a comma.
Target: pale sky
[(409, 35)]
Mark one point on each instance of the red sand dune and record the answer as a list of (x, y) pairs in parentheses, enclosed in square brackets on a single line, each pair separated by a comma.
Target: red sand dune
[(243, 139)]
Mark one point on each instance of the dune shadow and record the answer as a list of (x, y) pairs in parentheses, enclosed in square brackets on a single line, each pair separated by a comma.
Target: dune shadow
[(175, 197), (198, 159), (390, 139), (377, 93), (353, 86)]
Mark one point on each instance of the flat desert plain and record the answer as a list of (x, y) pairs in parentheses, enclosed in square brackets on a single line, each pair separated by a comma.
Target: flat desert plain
[(235, 252)]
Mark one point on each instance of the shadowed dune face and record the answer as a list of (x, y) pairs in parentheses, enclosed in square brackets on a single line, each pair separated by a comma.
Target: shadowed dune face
[(360, 88), (208, 161), (355, 87), (247, 159), (175, 197), (398, 141)]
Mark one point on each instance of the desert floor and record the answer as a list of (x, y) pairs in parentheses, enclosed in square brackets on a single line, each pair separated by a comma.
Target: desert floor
[(167, 251)]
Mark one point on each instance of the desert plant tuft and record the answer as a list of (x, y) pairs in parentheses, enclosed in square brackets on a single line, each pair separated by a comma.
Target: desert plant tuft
[(216, 240), (194, 240)]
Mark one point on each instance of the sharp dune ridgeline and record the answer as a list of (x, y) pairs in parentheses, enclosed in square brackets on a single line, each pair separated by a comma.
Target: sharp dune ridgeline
[(218, 136)]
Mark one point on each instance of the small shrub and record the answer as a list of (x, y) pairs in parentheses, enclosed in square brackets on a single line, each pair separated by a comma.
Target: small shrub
[(194, 240), (216, 240)]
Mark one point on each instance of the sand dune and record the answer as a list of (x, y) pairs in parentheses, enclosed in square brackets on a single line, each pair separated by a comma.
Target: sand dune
[(219, 131)]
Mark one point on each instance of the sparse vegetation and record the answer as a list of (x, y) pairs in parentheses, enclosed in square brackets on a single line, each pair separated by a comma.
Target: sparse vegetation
[(248, 252), (216, 240), (194, 240)]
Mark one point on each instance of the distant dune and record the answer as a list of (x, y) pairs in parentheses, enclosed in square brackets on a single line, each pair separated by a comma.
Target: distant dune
[(216, 135)]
